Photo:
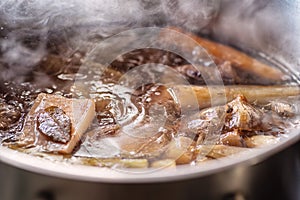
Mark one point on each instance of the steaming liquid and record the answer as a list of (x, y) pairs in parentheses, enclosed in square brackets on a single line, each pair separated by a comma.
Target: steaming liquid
[(115, 105)]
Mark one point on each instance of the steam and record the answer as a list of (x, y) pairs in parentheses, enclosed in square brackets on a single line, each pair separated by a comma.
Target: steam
[(271, 27), (78, 23), (253, 24), (81, 24)]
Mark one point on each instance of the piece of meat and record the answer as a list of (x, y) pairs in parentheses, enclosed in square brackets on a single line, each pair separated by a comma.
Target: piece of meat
[(243, 116), (193, 74), (228, 124), (283, 108), (10, 121), (140, 57), (232, 138), (9, 115), (51, 113), (155, 95), (147, 134), (204, 123), (226, 69), (54, 64)]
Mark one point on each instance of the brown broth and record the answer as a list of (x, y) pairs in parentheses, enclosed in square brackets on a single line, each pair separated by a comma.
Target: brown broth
[(146, 145)]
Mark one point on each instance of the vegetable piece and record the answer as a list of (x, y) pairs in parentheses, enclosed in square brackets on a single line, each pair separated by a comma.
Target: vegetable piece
[(180, 149), (220, 95), (112, 162), (261, 140), (224, 53), (44, 115), (133, 163), (170, 163), (219, 151)]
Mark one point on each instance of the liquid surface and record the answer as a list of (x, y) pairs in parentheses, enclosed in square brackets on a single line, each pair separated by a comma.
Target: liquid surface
[(145, 126)]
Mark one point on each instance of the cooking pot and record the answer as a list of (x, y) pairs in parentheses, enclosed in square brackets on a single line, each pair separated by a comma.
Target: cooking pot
[(271, 28)]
